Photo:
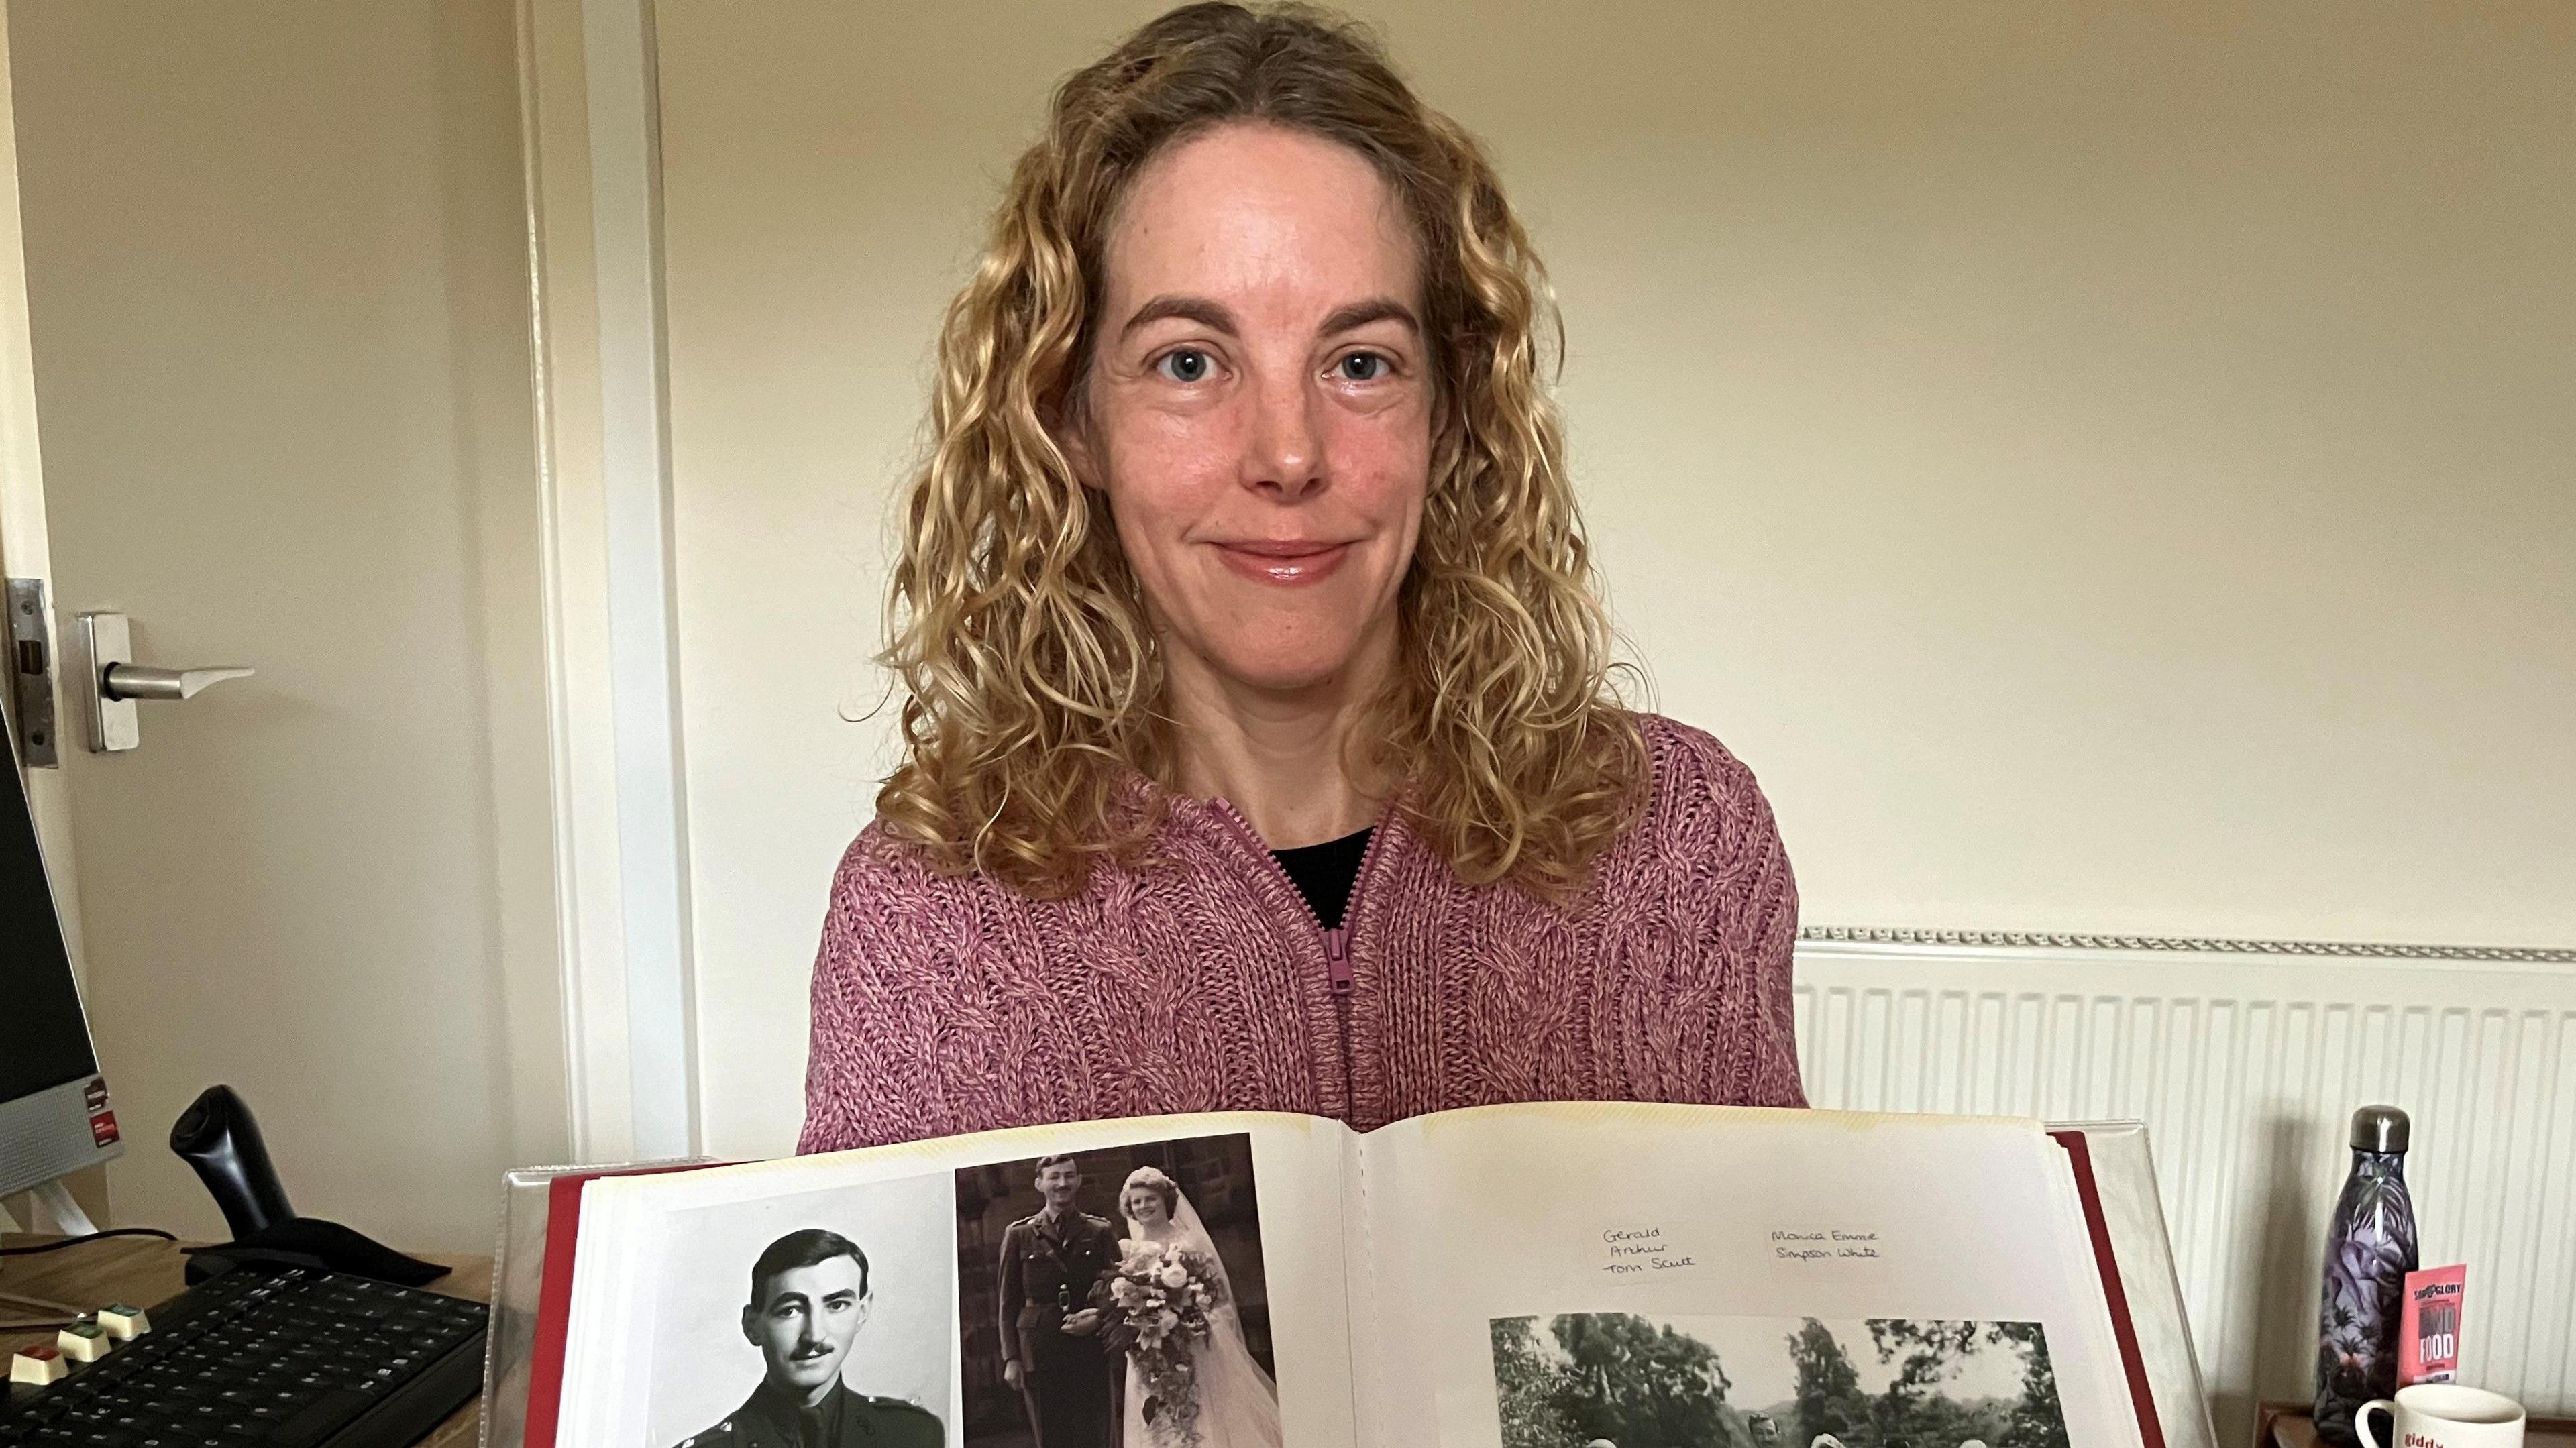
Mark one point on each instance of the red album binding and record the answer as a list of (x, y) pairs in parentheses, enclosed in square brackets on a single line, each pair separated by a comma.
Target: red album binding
[(554, 1297), (2124, 1329)]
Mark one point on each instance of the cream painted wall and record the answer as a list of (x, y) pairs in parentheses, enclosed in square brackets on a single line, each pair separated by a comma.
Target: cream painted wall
[(2105, 467), (278, 281)]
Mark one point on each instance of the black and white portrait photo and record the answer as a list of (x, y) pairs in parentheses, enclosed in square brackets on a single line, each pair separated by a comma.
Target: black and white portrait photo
[(1643, 1380), (1116, 1299), (813, 1321)]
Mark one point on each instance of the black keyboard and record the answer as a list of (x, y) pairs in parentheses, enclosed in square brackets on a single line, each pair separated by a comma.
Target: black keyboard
[(267, 1357)]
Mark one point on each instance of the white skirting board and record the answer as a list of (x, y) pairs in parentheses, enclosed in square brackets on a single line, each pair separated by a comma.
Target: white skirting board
[(2245, 1060)]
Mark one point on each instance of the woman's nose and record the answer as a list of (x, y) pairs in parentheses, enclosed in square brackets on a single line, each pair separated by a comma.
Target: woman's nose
[(1286, 454)]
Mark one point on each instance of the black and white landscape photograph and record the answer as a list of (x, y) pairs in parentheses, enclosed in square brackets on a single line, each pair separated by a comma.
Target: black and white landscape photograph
[(1644, 1380)]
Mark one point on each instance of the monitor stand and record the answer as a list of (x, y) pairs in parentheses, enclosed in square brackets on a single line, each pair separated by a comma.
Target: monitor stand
[(55, 1202)]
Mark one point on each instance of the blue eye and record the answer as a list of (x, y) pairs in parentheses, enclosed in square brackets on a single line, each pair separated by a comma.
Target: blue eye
[(1185, 365), (1362, 367)]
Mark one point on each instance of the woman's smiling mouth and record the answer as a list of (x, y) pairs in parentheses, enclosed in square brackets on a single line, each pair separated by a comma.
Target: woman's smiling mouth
[(1287, 563)]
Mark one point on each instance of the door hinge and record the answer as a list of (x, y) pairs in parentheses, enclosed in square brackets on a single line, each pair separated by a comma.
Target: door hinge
[(31, 673)]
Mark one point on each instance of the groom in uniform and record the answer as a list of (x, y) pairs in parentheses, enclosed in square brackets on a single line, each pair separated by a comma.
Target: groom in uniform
[(1052, 1352)]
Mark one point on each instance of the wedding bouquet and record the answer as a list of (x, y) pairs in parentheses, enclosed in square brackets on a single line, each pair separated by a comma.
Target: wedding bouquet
[(1164, 1293)]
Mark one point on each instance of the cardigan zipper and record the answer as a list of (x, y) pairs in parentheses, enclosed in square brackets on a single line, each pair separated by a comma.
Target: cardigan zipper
[(1336, 938), (1337, 956), (1339, 978)]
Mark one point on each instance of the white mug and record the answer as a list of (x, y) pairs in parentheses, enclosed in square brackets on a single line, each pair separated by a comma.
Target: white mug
[(2444, 1415)]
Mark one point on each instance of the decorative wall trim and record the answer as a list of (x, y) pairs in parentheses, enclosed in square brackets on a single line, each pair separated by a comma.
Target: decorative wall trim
[(2182, 944)]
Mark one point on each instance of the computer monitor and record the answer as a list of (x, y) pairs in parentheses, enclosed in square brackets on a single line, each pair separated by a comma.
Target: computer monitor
[(54, 1113)]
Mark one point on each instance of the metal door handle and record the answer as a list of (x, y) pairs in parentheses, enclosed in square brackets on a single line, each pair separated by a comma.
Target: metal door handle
[(142, 681), (116, 681)]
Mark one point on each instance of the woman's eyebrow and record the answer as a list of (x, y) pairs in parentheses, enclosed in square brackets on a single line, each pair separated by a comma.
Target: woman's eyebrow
[(1215, 317), (1375, 309), (1211, 315)]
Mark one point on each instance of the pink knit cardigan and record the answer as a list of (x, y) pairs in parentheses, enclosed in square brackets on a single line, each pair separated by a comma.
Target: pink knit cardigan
[(1201, 982)]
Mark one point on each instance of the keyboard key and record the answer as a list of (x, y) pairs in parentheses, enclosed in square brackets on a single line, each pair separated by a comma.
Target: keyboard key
[(124, 1323), (317, 1422), (84, 1342)]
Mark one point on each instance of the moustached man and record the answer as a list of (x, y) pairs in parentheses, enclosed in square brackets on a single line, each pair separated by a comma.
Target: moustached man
[(810, 1295), (1053, 1351)]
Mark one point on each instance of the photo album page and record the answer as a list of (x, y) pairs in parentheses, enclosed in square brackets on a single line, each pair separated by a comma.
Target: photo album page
[(1563, 1275), (1005, 1290), (1551, 1276)]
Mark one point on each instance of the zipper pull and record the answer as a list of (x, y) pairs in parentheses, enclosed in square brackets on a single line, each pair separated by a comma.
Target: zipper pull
[(1337, 958)]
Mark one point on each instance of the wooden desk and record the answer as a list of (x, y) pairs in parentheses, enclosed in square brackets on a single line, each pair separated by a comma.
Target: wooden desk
[(2294, 1425), (146, 1271)]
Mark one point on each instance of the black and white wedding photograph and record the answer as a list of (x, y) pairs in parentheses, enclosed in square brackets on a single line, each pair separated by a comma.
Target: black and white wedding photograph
[(1116, 1299), (818, 1320), (1647, 1380)]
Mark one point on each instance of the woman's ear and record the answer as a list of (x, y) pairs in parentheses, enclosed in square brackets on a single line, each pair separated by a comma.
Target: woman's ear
[(1072, 433), (1077, 451)]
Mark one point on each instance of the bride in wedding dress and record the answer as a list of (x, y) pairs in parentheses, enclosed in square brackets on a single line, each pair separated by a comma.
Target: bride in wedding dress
[(1238, 1403)]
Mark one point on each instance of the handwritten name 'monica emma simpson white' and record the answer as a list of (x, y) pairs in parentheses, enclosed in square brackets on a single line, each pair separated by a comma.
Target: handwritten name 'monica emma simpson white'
[(1826, 1246)]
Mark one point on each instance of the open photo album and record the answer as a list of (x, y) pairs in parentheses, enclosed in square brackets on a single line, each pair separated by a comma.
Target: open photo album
[(1535, 1276)]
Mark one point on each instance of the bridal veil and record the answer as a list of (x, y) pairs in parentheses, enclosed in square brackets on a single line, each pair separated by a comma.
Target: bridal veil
[(1238, 1403)]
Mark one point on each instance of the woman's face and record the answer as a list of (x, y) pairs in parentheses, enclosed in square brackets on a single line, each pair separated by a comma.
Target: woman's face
[(1258, 404), (1145, 1206)]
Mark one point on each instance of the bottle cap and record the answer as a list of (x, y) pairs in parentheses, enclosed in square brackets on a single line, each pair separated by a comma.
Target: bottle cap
[(2379, 1128)]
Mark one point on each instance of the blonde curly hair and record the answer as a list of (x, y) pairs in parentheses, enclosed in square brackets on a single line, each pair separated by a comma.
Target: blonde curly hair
[(1034, 686)]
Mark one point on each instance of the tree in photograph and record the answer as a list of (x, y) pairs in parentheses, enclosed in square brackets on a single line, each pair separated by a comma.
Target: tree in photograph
[(1829, 1395), (1928, 1351), (2038, 1421), (1639, 1385), (1526, 1382), (1925, 1352)]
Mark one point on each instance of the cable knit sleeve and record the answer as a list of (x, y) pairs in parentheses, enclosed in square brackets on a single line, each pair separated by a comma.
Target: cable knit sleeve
[(870, 1071), (1749, 910)]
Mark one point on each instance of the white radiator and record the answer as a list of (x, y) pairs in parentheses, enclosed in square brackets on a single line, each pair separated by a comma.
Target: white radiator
[(2246, 1059)]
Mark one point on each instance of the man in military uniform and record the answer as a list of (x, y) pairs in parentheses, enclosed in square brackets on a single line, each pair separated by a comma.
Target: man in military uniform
[(809, 1298), (1052, 1349)]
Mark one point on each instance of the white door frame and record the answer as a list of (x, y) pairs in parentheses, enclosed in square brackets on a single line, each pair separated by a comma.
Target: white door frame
[(26, 548), (26, 551), (590, 128)]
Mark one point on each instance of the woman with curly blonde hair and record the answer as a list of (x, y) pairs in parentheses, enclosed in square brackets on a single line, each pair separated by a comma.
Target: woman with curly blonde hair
[(1260, 745)]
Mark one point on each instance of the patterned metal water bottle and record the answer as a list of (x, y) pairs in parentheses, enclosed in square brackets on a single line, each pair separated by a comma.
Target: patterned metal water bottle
[(2370, 1247)]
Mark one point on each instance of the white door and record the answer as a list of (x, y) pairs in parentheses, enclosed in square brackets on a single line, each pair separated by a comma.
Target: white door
[(275, 328)]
